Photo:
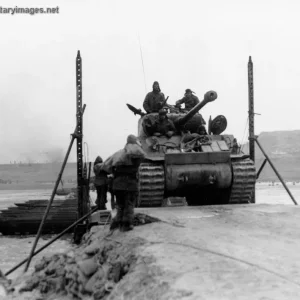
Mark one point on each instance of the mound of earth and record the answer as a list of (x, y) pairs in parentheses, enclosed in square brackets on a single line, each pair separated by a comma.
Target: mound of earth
[(212, 252)]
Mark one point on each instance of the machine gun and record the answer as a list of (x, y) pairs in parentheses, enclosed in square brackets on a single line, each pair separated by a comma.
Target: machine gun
[(165, 102)]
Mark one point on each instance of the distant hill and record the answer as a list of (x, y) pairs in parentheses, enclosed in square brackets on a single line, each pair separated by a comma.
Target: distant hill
[(283, 148), (32, 176)]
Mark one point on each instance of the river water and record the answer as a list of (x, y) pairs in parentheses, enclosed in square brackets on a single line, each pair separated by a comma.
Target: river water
[(265, 193)]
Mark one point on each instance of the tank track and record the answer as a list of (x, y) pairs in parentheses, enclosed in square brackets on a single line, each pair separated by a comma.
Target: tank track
[(244, 178), (151, 185)]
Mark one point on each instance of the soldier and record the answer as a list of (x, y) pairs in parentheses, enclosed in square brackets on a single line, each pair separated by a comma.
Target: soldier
[(189, 100), (235, 147), (100, 184), (125, 187), (163, 125), (201, 130), (154, 100)]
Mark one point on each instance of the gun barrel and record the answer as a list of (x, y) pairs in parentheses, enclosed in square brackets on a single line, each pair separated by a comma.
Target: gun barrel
[(208, 97)]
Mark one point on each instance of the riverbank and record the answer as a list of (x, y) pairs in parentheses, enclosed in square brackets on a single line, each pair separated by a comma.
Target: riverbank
[(212, 252)]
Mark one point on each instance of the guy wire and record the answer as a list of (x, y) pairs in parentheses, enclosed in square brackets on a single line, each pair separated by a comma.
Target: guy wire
[(142, 63)]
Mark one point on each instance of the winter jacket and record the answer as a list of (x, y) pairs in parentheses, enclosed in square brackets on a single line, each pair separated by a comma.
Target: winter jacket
[(189, 102), (153, 102), (100, 175), (126, 176)]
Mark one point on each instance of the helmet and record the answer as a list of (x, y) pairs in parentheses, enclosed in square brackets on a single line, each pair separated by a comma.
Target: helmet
[(162, 112), (98, 160), (132, 139)]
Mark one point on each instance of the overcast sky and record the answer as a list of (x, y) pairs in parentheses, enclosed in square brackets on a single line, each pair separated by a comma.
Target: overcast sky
[(202, 45)]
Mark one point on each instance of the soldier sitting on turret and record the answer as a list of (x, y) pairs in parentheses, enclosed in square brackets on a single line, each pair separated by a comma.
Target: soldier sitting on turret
[(163, 125), (201, 130), (189, 100), (154, 100)]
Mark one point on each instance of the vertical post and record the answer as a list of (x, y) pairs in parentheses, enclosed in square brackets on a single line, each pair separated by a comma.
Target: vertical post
[(251, 116), (79, 137), (251, 110)]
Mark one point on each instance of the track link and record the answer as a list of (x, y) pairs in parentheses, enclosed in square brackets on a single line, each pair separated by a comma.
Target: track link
[(151, 185), (244, 178)]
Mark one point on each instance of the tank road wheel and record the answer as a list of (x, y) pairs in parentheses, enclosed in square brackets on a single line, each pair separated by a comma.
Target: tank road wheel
[(151, 185), (243, 182)]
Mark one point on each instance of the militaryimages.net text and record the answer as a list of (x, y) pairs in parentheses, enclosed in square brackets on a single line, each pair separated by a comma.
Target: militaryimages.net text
[(29, 10)]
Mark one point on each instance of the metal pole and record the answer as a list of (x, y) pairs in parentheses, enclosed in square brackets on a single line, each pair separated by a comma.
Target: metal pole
[(261, 168), (89, 174), (251, 116), (87, 190), (273, 167), (251, 110), (88, 185), (80, 179), (51, 241), (74, 135)]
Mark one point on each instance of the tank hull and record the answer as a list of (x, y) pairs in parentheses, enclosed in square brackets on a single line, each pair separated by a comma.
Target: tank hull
[(195, 170), (179, 177)]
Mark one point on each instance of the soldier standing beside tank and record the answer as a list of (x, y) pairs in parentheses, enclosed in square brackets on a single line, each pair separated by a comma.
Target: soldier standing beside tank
[(154, 100), (125, 188), (100, 184), (189, 100)]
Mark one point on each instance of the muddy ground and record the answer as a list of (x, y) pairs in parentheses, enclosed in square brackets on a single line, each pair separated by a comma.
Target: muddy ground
[(220, 252)]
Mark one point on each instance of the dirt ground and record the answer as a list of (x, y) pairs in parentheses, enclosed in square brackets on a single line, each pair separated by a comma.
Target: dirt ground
[(213, 252)]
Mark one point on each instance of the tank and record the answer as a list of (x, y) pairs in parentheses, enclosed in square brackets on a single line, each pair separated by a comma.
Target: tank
[(204, 168)]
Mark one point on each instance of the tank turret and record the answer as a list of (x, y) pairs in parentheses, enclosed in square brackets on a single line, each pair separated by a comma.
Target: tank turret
[(208, 97)]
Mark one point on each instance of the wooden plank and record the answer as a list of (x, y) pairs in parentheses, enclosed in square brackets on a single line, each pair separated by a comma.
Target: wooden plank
[(36, 205), (25, 218)]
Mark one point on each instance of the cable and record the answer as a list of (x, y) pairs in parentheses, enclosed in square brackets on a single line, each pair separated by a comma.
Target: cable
[(142, 63), (86, 152)]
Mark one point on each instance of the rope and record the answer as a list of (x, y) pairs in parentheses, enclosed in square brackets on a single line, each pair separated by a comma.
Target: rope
[(142, 63), (86, 151)]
